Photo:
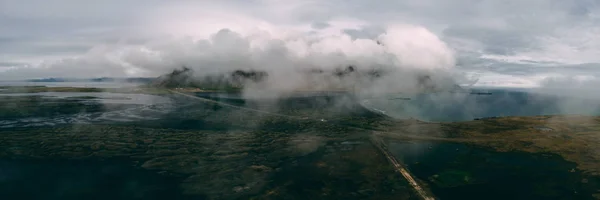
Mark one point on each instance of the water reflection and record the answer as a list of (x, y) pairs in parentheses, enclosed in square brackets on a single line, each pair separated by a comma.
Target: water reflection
[(55, 108), (465, 106)]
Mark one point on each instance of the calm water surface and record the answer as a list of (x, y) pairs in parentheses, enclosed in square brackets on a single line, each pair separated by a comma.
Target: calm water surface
[(56, 108), (465, 107)]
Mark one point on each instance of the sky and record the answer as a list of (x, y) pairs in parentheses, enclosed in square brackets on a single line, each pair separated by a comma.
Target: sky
[(511, 43)]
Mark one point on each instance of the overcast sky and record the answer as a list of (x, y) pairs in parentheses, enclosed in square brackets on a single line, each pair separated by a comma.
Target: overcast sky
[(510, 43)]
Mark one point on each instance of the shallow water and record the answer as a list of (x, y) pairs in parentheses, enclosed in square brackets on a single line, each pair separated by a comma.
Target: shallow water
[(56, 108), (101, 97), (465, 106), (457, 171)]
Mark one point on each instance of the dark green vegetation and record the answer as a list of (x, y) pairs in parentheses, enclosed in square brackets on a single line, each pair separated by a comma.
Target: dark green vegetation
[(336, 114), (226, 165), (575, 138), (339, 170), (458, 171), (83, 179), (226, 153), (297, 148)]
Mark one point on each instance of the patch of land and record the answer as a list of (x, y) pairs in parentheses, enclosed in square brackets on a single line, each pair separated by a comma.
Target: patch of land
[(289, 149), (575, 138), (235, 164), (229, 153)]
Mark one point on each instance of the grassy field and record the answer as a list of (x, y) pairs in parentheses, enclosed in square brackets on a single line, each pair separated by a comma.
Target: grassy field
[(223, 153), (322, 153), (575, 138)]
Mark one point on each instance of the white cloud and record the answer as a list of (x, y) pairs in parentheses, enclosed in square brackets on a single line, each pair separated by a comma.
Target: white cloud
[(134, 38), (404, 47)]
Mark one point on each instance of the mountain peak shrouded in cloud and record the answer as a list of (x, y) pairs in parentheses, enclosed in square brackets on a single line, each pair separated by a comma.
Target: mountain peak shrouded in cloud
[(302, 62), (150, 38), (401, 50)]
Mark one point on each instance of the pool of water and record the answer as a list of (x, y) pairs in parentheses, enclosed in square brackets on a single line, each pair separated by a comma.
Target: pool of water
[(458, 171)]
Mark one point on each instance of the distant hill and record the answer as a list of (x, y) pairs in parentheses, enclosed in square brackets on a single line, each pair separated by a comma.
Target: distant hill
[(229, 81), (48, 80), (236, 80)]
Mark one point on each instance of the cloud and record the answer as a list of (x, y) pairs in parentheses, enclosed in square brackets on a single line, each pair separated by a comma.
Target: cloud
[(575, 86), (486, 36), (402, 50)]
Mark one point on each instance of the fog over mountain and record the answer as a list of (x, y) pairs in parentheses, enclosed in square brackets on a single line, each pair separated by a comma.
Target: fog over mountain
[(499, 44)]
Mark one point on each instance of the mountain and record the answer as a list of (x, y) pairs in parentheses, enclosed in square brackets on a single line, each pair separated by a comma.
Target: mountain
[(229, 81)]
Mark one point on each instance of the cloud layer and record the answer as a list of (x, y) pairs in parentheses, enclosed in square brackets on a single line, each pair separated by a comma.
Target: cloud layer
[(514, 41)]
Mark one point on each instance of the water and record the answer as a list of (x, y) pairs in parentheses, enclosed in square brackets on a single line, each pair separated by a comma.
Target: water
[(465, 107), (101, 97), (458, 171), (56, 108)]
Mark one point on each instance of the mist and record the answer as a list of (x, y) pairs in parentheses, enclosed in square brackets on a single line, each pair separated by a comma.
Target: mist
[(400, 55), (555, 96)]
